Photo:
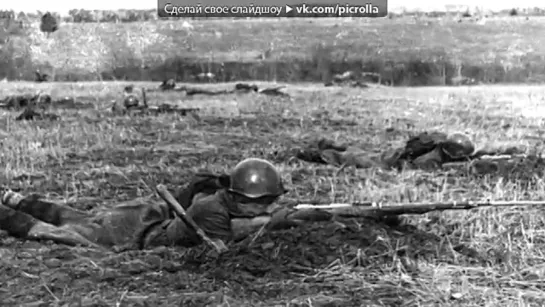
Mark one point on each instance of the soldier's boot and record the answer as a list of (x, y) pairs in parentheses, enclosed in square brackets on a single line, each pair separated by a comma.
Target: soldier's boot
[(42, 210), (23, 225), (202, 184)]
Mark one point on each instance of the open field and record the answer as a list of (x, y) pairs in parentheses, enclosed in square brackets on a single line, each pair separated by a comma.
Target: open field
[(405, 50), (92, 158)]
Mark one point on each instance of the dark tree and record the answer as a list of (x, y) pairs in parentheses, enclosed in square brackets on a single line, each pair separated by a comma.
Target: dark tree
[(49, 24)]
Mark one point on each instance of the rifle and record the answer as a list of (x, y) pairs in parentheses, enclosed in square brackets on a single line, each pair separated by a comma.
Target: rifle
[(373, 209), (217, 244)]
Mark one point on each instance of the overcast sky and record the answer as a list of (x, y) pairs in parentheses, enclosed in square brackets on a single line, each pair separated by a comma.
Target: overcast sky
[(64, 6)]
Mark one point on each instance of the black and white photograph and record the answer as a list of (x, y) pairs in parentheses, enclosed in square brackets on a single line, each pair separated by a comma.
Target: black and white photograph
[(283, 153)]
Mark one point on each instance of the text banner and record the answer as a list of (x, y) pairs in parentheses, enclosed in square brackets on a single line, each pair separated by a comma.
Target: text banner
[(271, 8)]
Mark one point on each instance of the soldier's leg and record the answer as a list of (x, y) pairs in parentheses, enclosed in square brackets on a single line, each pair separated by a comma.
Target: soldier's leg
[(42, 210), (22, 225)]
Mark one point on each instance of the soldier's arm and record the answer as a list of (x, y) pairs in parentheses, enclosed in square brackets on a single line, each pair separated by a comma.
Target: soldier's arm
[(215, 224), (243, 227), (284, 218), (173, 231), (176, 232), (201, 183)]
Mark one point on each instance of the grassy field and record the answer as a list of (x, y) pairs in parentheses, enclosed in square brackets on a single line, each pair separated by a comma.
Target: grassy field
[(411, 51), (92, 159)]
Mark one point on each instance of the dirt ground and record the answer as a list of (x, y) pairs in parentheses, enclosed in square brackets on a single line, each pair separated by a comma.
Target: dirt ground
[(93, 159)]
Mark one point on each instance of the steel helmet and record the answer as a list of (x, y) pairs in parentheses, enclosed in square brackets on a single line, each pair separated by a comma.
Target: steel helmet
[(256, 178), (458, 145)]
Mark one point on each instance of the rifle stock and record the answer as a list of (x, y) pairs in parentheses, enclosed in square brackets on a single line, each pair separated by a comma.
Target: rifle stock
[(371, 209)]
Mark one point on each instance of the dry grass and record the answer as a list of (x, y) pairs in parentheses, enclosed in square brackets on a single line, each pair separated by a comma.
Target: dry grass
[(92, 159)]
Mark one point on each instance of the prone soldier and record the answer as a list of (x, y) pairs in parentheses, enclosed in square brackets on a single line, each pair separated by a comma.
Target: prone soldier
[(230, 208)]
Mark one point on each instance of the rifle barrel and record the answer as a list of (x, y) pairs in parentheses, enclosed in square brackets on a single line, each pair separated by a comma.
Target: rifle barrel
[(377, 209)]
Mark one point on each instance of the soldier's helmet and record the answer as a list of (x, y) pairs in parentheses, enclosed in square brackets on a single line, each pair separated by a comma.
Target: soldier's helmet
[(255, 178), (130, 101), (458, 145)]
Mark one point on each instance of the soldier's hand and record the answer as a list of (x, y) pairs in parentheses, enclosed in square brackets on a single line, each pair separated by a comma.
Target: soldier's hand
[(280, 219), (287, 217)]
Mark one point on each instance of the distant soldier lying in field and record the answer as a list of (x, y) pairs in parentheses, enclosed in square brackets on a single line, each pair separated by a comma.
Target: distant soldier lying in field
[(226, 207), (130, 101), (34, 106), (270, 91), (32, 114), (167, 85), (132, 105), (424, 151), (18, 102), (239, 88), (41, 101)]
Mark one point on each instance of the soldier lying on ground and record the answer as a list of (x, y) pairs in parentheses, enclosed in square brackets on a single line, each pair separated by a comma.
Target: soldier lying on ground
[(167, 85), (130, 101), (427, 151), (224, 207), (424, 151), (32, 114), (18, 102), (42, 102)]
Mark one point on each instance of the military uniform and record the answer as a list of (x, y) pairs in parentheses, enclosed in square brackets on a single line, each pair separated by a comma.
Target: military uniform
[(427, 151), (227, 213)]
